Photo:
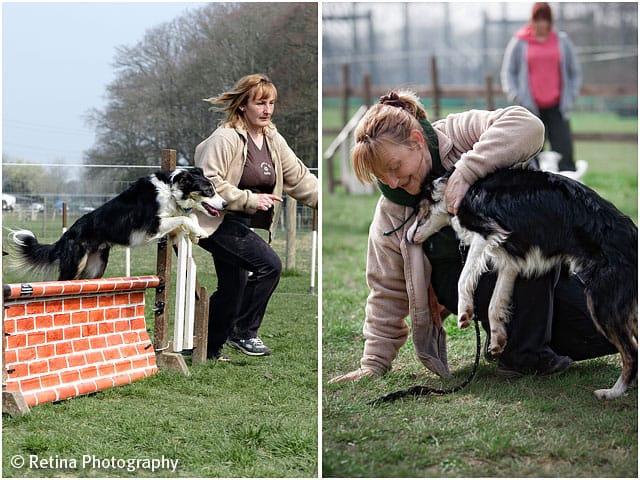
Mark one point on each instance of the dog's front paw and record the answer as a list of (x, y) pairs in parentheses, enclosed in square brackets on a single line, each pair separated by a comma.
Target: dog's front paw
[(417, 233), (196, 234), (194, 238), (411, 233)]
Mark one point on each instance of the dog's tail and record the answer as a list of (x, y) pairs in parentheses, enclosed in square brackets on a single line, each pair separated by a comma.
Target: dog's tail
[(27, 255)]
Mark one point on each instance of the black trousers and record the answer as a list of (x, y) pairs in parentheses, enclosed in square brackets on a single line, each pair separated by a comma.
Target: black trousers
[(549, 314), (237, 307), (558, 132)]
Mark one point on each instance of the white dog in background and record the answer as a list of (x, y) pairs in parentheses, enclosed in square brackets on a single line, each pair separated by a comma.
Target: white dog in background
[(549, 161)]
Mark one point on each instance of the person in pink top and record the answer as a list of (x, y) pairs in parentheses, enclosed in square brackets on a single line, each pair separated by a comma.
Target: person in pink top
[(540, 71)]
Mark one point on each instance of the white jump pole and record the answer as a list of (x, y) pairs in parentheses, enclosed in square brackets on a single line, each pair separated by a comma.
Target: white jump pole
[(183, 324), (314, 248), (127, 262), (190, 308), (179, 318)]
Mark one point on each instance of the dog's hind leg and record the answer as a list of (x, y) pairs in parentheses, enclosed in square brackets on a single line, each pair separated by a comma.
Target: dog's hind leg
[(96, 264), (73, 259), (475, 265), (629, 352), (499, 308), (627, 376), (620, 329), (72, 268)]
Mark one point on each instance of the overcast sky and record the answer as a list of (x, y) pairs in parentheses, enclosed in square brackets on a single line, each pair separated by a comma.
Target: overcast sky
[(56, 63)]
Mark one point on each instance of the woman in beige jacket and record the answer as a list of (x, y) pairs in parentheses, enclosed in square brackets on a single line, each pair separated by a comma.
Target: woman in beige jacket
[(398, 147), (251, 166)]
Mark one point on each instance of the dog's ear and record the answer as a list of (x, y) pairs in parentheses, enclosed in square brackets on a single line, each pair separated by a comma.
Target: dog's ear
[(437, 187), (197, 171)]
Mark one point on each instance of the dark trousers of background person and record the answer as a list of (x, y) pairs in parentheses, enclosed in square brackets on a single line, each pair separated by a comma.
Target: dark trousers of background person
[(238, 305), (558, 132), (549, 315)]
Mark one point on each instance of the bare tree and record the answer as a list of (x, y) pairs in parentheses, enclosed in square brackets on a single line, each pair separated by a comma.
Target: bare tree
[(156, 101)]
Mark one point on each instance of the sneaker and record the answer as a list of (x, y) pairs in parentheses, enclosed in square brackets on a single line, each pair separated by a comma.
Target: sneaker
[(251, 346)]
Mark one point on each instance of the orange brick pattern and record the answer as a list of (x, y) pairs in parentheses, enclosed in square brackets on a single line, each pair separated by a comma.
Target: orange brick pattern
[(64, 339)]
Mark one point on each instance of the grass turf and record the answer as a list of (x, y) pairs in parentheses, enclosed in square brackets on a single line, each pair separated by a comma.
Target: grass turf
[(251, 417), (533, 427)]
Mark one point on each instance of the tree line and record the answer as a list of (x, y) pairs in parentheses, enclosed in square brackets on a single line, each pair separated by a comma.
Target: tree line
[(156, 99)]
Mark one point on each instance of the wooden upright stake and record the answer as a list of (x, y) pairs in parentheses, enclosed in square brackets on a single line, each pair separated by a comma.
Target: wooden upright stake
[(435, 84), (290, 254), (201, 325), (164, 357), (489, 86)]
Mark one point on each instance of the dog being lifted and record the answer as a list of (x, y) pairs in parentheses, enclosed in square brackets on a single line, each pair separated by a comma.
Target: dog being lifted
[(152, 207), (525, 222)]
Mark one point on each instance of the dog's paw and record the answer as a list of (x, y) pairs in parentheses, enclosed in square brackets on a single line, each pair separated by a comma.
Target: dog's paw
[(498, 341), (610, 393), (412, 232), (195, 231), (465, 315), (417, 233), (496, 349)]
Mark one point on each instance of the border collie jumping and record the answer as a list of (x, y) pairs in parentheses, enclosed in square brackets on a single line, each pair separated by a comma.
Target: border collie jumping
[(149, 209), (524, 222)]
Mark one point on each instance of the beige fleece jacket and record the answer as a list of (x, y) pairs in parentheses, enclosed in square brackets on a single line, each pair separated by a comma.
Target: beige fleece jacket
[(222, 158), (398, 273)]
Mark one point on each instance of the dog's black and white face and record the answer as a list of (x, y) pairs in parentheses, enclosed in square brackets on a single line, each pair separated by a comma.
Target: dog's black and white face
[(432, 212), (193, 191)]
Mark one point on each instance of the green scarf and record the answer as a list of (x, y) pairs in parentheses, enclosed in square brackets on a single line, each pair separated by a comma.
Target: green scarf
[(402, 197)]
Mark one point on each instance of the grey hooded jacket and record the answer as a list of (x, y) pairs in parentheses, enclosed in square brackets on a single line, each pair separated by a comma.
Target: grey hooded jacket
[(515, 74)]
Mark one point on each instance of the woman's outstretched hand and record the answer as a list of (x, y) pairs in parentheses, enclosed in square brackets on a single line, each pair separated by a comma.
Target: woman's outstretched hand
[(267, 200), (353, 376)]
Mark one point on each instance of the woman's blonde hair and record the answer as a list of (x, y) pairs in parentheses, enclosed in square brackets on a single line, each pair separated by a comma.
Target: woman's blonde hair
[(389, 122), (249, 87)]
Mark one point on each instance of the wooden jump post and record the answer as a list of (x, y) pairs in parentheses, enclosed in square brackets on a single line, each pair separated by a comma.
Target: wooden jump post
[(165, 356)]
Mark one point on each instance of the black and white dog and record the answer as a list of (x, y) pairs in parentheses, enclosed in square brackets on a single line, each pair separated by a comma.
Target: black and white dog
[(524, 222), (152, 207)]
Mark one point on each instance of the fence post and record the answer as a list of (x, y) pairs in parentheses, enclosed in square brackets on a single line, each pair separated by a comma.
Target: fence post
[(366, 91), (489, 86), (290, 210), (164, 357), (64, 216), (436, 88)]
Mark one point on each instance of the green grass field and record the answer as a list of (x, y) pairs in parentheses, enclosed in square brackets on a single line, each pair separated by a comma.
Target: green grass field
[(258, 417), (533, 427), (251, 417)]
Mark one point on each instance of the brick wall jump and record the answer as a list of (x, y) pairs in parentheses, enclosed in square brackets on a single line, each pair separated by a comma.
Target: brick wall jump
[(64, 339)]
